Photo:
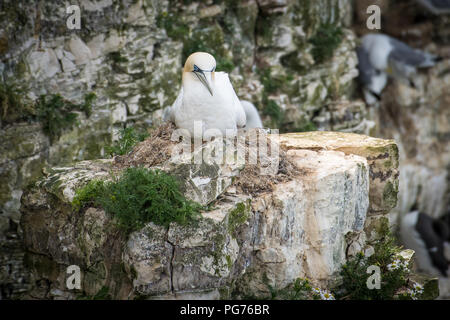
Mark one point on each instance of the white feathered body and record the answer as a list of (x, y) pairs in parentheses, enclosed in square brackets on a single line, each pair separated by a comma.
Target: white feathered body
[(378, 47), (221, 111), (252, 115)]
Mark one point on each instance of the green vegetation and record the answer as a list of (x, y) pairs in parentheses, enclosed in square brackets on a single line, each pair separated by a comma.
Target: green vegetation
[(273, 110), (58, 114), (325, 41), (305, 125), (238, 216), (128, 138), (272, 84), (88, 194), (12, 105), (139, 196), (208, 37), (102, 294), (394, 273), (174, 26), (299, 290)]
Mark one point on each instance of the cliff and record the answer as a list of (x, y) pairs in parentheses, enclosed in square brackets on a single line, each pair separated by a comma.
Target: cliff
[(317, 214), (66, 94)]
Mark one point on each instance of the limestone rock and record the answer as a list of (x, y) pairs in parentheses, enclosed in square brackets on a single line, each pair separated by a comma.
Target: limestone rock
[(239, 247)]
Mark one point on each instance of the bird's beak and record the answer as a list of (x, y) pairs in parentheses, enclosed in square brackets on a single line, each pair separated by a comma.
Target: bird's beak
[(202, 77)]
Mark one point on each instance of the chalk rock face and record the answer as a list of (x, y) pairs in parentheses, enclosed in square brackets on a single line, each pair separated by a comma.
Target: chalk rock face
[(425, 150), (305, 226)]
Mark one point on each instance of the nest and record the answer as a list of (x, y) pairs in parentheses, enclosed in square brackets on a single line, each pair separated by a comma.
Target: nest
[(157, 149), (252, 182), (153, 151)]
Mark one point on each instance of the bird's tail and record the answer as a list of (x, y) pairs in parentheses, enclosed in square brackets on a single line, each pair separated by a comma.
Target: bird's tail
[(431, 61)]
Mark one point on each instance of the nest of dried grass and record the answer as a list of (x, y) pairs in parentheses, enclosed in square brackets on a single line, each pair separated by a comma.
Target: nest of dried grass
[(154, 150), (251, 181), (157, 148)]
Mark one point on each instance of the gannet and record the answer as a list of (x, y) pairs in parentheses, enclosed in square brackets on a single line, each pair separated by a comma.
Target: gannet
[(206, 96), (252, 115), (436, 7), (394, 57), (372, 80)]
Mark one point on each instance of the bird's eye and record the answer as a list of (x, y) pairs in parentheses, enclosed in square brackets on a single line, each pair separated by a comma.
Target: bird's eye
[(196, 69)]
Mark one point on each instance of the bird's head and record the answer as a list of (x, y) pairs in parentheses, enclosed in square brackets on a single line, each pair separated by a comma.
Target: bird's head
[(202, 65)]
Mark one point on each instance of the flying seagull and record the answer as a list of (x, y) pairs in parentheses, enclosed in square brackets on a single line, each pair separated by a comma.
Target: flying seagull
[(206, 97), (430, 239), (252, 115), (381, 56), (436, 7)]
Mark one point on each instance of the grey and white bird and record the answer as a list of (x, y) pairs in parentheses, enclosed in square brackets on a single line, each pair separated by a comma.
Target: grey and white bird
[(252, 115), (372, 80), (394, 57), (206, 97), (430, 239), (381, 56), (436, 7)]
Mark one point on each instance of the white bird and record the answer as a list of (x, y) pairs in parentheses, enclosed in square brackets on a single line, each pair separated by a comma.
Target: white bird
[(381, 56), (207, 97), (252, 115), (436, 7)]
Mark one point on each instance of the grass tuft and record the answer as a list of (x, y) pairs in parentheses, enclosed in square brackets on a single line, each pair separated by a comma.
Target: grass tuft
[(58, 114), (128, 138), (137, 197), (325, 41)]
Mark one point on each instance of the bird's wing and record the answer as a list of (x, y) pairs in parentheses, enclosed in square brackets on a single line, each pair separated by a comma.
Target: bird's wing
[(252, 115), (169, 113), (404, 54), (366, 70), (224, 81)]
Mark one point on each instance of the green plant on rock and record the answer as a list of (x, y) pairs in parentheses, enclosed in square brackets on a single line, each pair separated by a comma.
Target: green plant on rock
[(300, 289), (102, 294), (207, 36), (238, 216), (305, 125), (394, 273), (174, 26), (128, 138), (88, 194), (58, 114), (273, 83), (325, 41), (13, 108), (137, 197), (273, 110)]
